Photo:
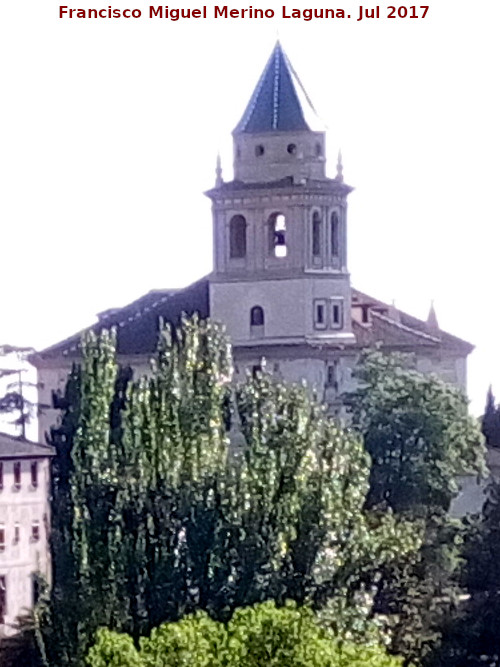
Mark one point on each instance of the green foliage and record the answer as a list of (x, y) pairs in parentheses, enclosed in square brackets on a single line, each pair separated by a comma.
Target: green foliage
[(157, 515), (285, 637), (113, 649), (420, 592), (417, 431), (15, 403), (258, 636), (420, 438), (472, 634), (490, 423), (194, 641)]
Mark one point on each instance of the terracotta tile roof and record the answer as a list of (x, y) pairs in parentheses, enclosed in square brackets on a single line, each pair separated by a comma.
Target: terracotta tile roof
[(389, 333), (395, 328)]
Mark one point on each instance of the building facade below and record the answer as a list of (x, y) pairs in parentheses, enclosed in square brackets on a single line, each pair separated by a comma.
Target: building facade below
[(24, 526)]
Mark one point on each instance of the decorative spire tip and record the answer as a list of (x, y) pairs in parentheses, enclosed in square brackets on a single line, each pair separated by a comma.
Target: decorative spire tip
[(218, 172), (432, 321), (340, 168)]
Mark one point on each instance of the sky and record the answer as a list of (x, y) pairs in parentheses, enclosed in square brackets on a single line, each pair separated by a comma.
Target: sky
[(109, 131)]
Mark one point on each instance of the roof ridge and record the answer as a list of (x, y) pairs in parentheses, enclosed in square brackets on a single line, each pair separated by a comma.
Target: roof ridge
[(404, 327)]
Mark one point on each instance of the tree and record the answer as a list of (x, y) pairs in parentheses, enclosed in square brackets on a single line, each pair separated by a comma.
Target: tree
[(421, 592), (472, 634), (113, 649), (490, 422), (417, 431), (420, 438), (159, 516), (262, 634), (14, 395), (17, 391)]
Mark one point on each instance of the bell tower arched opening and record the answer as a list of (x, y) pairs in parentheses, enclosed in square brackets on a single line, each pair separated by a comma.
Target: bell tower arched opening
[(277, 235)]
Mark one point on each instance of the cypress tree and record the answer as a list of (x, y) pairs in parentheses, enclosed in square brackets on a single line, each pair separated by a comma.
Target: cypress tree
[(491, 421)]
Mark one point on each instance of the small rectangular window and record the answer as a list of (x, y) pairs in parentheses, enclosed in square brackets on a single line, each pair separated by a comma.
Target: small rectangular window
[(337, 314), (17, 533), (34, 474), (2, 538), (35, 532), (17, 476), (1, 476), (3, 598), (320, 314)]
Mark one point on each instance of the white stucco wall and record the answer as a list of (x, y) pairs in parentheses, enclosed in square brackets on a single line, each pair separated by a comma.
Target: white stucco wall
[(18, 561)]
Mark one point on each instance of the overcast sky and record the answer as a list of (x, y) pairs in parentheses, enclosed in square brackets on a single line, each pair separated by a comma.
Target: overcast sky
[(110, 128)]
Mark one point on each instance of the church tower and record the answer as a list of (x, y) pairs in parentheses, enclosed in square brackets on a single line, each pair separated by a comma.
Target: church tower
[(280, 249), (280, 282)]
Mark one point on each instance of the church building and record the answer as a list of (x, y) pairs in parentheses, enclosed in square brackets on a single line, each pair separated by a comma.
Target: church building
[(280, 280)]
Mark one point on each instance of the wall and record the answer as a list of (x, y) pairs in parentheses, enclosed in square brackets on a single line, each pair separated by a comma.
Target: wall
[(473, 489), (305, 161), (50, 379), (288, 307), (449, 367), (18, 561)]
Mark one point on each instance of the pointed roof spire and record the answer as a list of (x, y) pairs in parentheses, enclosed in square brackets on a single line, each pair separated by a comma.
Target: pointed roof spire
[(279, 102), (340, 168), (218, 171), (393, 312), (432, 321)]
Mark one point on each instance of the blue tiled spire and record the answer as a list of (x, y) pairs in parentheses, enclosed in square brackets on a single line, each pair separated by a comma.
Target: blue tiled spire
[(275, 105)]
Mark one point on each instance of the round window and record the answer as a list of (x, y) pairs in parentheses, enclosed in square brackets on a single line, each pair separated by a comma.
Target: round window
[(292, 149)]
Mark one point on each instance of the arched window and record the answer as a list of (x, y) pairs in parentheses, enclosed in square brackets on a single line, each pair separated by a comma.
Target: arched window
[(257, 316), (334, 233), (316, 234), (277, 235), (237, 237)]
